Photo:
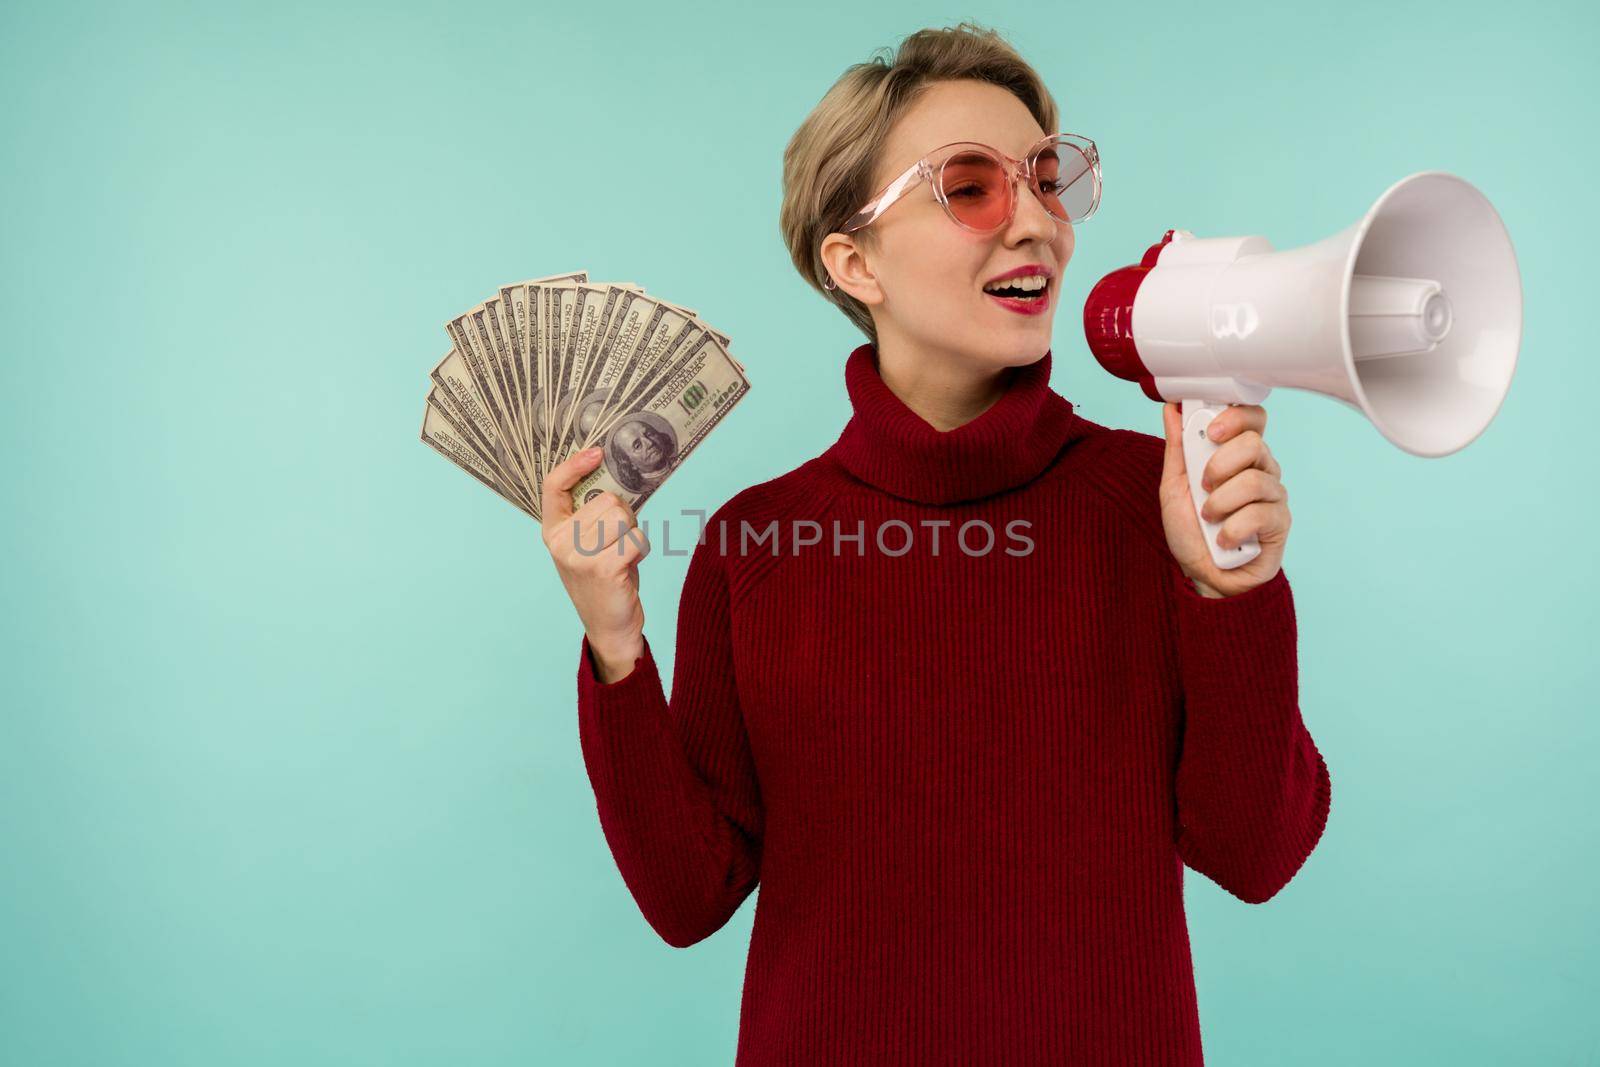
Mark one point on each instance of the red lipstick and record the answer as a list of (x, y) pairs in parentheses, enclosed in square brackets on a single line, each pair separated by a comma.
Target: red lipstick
[(1029, 305)]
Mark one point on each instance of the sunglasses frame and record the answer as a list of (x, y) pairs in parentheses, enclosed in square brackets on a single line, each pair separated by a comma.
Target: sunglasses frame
[(1017, 169)]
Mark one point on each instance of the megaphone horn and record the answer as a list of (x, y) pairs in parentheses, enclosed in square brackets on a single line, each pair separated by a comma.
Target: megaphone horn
[(1412, 316)]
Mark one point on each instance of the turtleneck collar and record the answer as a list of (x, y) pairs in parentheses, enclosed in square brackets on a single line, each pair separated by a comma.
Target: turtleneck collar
[(888, 445)]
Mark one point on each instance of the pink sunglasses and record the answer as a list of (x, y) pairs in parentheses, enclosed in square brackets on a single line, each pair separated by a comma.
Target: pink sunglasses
[(976, 184)]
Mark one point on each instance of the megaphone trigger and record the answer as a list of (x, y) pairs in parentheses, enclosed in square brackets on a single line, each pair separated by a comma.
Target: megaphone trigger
[(1198, 448)]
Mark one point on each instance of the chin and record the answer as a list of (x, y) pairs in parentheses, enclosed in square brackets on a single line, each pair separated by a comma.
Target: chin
[(1031, 354), (1024, 352), (1028, 342)]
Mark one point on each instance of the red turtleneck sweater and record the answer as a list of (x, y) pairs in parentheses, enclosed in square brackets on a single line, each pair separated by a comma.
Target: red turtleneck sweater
[(966, 780)]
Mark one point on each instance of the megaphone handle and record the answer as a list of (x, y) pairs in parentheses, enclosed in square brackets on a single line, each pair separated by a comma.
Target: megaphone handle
[(1198, 448)]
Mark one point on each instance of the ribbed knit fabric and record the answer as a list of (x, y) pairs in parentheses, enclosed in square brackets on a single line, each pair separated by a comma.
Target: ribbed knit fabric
[(966, 781)]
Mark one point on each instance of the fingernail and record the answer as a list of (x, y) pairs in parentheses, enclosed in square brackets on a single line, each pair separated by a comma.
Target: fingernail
[(591, 453), (1216, 431)]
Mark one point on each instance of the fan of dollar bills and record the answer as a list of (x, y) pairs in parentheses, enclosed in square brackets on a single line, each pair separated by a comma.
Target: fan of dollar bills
[(552, 366)]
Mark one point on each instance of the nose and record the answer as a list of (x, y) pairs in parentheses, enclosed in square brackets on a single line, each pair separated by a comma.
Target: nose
[(1029, 219)]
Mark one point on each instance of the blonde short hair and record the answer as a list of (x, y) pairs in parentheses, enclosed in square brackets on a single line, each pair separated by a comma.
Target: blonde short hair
[(829, 162)]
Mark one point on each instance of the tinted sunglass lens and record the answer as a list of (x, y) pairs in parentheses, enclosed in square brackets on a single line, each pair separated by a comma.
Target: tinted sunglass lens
[(1066, 181), (976, 189)]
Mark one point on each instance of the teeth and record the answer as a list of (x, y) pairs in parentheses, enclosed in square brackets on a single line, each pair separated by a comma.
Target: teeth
[(1032, 283)]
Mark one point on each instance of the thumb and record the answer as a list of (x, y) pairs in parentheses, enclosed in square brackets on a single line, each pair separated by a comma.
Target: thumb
[(1172, 463), (556, 499)]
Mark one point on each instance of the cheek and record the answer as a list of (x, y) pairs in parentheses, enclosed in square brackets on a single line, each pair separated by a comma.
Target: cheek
[(936, 269), (1066, 241), (942, 260)]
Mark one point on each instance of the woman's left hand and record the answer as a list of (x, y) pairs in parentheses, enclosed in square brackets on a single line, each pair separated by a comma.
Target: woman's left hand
[(1246, 497)]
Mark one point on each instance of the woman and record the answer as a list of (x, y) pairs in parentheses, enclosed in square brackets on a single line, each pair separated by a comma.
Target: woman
[(965, 692)]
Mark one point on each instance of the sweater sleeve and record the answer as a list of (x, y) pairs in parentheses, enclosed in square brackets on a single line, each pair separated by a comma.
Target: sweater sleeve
[(674, 783), (1253, 792)]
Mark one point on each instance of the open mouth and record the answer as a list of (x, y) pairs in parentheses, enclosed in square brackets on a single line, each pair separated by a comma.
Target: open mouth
[(1022, 294)]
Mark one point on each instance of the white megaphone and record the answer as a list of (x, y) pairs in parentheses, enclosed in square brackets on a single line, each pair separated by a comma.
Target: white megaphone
[(1412, 316)]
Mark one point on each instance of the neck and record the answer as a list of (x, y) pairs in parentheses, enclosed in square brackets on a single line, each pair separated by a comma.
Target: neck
[(944, 391), (1011, 440)]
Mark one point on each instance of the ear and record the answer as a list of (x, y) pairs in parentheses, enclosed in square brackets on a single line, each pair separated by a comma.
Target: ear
[(846, 262)]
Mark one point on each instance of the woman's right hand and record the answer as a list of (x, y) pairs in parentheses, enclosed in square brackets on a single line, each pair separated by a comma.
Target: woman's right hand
[(604, 584)]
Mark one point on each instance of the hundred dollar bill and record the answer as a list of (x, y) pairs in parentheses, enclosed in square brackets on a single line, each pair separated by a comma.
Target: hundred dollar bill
[(660, 332), (470, 333), (514, 316), (443, 438), (529, 304), (585, 393), (592, 304), (654, 365), (522, 298), (504, 476), (691, 313), (455, 379), (646, 443), (579, 312), (560, 307), (501, 338), (483, 329), (576, 400)]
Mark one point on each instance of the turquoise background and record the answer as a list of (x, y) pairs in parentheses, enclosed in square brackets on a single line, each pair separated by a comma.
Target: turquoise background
[(289, 770)]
